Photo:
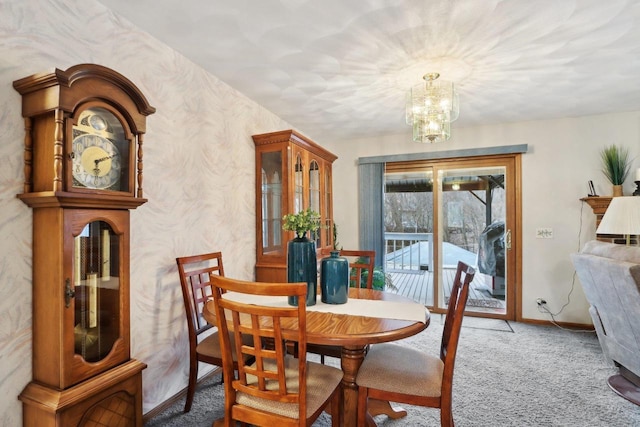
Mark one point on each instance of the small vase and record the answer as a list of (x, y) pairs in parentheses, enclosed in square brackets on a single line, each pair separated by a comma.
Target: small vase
[(617, 190), (334, 279), (302, 266)]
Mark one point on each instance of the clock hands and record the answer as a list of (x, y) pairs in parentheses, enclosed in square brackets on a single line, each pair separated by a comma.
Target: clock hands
[(96, 169), (102, 159)]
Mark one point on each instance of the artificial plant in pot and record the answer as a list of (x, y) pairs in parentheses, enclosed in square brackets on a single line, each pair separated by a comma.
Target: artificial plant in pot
[(615, 166), (301, 252), (381, 280)]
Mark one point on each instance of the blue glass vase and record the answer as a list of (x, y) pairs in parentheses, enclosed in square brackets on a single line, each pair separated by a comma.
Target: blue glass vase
[(334, 279), (302, 266)]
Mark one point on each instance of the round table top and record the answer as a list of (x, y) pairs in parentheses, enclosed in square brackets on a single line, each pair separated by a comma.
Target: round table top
[(350, 330), (347, 330)]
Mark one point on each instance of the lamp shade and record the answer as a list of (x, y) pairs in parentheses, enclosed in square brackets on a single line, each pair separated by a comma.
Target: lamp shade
[(622, 217)]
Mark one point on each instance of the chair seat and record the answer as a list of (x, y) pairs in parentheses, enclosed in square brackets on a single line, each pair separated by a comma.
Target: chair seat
[(399, 369), (322, 380), (209, 348)]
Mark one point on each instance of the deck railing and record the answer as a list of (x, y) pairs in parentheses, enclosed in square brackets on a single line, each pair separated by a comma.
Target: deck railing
[(408, 252)]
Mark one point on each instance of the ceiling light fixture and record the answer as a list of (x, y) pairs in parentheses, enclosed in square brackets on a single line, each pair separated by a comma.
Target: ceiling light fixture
[(430, 109)]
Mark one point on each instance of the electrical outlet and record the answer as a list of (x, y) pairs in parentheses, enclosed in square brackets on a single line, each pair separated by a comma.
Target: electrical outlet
[(544, 233), (541, 301)]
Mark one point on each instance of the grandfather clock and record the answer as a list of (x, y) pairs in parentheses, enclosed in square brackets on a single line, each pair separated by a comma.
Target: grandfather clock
[(83, 174)]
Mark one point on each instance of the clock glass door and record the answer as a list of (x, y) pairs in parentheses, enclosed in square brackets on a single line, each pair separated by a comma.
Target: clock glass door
[(100, 151), (97, 291)]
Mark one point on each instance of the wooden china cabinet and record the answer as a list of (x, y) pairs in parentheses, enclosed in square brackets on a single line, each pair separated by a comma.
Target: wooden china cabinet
[(83, 174), (293, 173)]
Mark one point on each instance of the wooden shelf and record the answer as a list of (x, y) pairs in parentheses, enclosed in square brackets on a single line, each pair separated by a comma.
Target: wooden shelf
[(599, 204)]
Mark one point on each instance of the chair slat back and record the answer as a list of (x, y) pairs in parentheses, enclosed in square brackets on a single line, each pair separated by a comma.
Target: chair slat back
[(454, 317), (360, 262), (269, 327), (195, 279)]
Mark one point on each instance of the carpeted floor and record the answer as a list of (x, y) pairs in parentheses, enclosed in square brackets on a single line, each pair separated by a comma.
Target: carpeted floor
[(507, 374)]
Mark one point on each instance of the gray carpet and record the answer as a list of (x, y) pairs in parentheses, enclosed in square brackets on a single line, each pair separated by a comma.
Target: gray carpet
[(507, 374)]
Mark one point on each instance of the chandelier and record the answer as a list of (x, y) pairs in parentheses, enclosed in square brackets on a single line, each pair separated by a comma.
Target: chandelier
[(430, 109)]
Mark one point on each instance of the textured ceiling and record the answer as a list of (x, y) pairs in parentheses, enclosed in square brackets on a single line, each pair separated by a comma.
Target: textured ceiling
[(341, 68)]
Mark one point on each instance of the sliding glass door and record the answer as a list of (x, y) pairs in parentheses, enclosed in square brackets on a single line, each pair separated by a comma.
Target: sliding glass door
[(409, 231), (440, 212)]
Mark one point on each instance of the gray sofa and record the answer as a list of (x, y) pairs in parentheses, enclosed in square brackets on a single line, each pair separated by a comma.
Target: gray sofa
[(610, 276)]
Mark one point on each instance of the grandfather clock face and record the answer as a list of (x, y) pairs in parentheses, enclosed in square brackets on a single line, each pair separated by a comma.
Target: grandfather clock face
[(100, 151)]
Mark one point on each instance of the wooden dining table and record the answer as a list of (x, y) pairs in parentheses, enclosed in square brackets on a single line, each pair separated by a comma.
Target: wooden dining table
[(354, 333)]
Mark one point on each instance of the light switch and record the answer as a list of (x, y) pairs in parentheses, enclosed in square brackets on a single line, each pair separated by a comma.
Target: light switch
[(544, 233)]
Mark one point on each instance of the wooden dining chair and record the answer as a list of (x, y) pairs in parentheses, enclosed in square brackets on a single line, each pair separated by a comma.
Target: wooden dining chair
[(361, 266), (276, 389), (195, 279), (401, 374)]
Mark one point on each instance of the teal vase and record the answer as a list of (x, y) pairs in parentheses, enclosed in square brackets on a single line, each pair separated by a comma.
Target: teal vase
[(302, 266), (334, 279)]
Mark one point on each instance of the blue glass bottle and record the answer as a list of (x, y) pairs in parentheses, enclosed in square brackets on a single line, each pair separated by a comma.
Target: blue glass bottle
[(334, 279)]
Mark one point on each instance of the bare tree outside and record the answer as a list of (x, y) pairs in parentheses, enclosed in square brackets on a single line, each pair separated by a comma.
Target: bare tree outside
[(409, 212), (463, 212)]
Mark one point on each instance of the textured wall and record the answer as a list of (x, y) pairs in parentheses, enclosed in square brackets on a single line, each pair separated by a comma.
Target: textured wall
[(199, 179)]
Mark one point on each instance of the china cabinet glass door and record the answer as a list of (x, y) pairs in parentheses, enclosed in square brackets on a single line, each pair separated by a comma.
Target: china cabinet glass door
[(314, 194), (298, 185), (271, 201), (328, 208)]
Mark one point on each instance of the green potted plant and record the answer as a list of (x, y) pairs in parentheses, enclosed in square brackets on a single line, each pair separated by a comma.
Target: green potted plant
[(302, 222), (615, 166), (381, 280), (301, 252)]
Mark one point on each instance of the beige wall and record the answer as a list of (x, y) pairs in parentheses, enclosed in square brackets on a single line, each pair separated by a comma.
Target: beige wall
[(563, 156)]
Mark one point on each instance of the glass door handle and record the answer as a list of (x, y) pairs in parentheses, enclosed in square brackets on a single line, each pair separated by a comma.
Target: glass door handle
[(507, 239)]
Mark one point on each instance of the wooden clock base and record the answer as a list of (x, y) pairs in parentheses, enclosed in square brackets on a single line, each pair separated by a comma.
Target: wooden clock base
[(113, 398)]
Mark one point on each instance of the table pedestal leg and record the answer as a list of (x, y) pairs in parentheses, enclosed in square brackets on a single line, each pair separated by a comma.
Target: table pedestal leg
[(351, 360)]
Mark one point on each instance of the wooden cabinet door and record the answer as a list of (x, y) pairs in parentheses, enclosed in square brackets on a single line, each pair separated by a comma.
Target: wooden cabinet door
[(81, 312)]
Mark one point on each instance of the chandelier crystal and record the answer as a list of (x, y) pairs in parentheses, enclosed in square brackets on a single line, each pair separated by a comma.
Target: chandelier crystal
[(430, 109)]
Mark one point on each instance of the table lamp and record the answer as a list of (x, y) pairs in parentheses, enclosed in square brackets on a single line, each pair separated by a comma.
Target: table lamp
[(622, 217)]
